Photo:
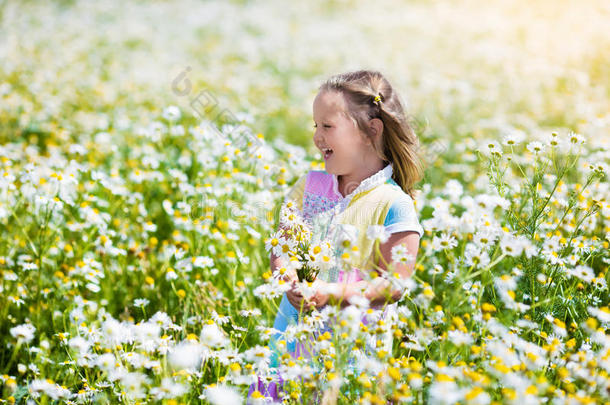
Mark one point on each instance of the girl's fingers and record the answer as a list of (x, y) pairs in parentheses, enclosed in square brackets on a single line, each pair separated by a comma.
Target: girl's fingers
[(295, 291), (292, 299)]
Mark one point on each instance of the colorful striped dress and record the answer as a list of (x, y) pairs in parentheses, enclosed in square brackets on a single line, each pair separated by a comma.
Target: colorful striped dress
[(378, 200)]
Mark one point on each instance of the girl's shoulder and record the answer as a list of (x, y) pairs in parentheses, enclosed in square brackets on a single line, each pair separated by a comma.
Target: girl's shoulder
[(392, 182), (391, 195), (397, 191), (390, 191)]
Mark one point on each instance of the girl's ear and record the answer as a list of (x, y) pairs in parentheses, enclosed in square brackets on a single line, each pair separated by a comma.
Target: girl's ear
[(376, 126)]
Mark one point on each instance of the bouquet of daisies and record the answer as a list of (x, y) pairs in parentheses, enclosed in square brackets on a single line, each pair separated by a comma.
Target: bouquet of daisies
[(295, 243)]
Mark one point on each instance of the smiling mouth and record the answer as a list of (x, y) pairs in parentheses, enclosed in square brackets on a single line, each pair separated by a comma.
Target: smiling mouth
[(327, 152)]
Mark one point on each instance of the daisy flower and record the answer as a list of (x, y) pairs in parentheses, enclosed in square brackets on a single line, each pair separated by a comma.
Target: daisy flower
[(140, 302), (222, 394), (276, 243), (171, 113), (475, 255), (400, 254), (377, 232), (585, 273), (513, 138), (445, 241), (535, 147), (24, 332)]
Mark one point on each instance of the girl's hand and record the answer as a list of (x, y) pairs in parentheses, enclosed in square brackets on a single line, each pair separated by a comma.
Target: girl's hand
[(320, 295), (294, 296), (317, 298)]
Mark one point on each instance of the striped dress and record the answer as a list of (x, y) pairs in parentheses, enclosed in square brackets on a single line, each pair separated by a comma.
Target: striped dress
[(378, 200)]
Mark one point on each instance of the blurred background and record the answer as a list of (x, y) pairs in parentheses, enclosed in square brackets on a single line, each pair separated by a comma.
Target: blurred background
[(468, 70)]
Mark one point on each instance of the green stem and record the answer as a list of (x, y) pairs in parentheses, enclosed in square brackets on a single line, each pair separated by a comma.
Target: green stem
[(490, 265)]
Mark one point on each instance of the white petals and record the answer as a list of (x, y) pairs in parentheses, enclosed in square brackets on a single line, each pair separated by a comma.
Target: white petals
[(377, 232)]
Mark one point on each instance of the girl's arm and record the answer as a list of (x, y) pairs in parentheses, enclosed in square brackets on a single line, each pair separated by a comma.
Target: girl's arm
[(379, 290)]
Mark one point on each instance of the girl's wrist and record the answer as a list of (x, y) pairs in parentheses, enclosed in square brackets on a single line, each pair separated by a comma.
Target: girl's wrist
[(346, 291), (373, 292)]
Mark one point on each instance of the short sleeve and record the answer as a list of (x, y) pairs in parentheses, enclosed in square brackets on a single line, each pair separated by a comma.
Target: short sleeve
[(402, 216), (296, 192)]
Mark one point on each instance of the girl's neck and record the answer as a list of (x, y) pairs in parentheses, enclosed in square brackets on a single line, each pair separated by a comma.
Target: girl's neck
[(349, 182)]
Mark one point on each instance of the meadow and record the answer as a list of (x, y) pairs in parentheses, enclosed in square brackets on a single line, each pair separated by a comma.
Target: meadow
[(146, 149)]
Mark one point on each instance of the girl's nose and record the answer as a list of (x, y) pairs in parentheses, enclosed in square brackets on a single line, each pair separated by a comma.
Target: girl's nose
[(317, 138)]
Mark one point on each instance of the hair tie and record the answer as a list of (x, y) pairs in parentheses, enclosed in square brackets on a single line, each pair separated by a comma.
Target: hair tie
[(377, 99)]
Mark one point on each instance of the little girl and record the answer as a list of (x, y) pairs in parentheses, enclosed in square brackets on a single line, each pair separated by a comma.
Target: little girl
[(370, 155)]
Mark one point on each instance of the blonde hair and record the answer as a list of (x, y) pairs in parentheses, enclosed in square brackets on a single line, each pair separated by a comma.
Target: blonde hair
[(399, 144)]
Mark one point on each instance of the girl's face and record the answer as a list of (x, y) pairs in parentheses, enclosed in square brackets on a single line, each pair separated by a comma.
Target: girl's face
[(343, 146)]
